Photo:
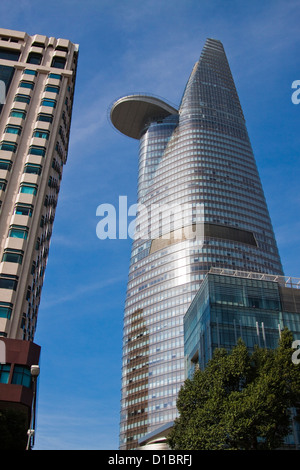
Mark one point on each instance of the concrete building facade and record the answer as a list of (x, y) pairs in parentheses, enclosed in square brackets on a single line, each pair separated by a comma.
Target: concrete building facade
[(37, 80)]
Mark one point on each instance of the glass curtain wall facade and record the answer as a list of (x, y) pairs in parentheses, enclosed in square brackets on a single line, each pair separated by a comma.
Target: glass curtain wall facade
[(198, 155), (233, 304)]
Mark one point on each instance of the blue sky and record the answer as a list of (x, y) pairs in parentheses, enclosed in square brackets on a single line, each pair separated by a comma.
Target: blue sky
[(142, 46)]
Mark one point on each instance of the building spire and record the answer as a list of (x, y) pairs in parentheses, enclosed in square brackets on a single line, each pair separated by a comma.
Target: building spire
[(210, 94)]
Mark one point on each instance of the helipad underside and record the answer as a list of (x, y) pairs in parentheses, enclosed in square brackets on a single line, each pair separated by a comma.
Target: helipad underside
[(129, 114)]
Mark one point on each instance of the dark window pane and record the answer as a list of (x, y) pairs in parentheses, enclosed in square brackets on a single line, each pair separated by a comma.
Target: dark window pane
[(12, 257), (18, 113), (5, 165), (6, 74), (33, 169), (55, 75), (8, 282), (3, 184), (48, 102), (35, 150), (45, 117), (34, 58), (29, 85), (22, 98), (8, 54), (8, 146), (4, 370), (52, 89), (30, 72), (23, 209), (21, 376), (58, 62)]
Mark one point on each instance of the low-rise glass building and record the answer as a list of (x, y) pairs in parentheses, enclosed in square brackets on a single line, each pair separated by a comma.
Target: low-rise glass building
[(237, 304)]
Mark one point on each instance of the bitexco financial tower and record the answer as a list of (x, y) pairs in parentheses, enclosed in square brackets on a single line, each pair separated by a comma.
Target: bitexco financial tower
[(199, 154)]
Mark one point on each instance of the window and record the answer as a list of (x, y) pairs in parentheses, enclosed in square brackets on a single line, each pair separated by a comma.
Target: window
[(8, 54), (37, 243), (7, 281), (12, 256), (30, 72), (58, 62), (41, 134), (4, 370), (33, 268), (3, 184), (5, 310), (52, 89), (61, 48), (38, 44), (22, 98), (18, 113), (18, 231), (254, 302), (13, 129), (54, 75), (28, 294), (45, 117), (24, 209), (8, 146), (21, 376), (36, 150), (24, 84), (33, 169), (28, 188), (5, 165), (49, 102), (34, 58)]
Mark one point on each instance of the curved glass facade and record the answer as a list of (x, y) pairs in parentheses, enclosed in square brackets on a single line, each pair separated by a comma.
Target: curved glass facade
[(200, 157)]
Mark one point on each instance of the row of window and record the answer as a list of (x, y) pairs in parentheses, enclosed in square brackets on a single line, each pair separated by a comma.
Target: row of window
[(34, 73), (18, 231), (186, 260), (190, 249), (43, 117), (241, 147), (33, 58), (30, 86), (20, 113), (160, 370), (9, 146), (40, 133), (21, 375), (22, 98), (166, 380), (163, 392)]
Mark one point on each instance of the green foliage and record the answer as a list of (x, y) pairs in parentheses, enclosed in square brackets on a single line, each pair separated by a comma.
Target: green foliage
[(240, 401)]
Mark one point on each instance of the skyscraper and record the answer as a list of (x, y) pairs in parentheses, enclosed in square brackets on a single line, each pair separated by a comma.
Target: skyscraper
[(197, 155), (37, 79)]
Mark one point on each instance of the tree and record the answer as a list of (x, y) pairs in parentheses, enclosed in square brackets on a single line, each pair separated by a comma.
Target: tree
[(13, 430), (240, 401)]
